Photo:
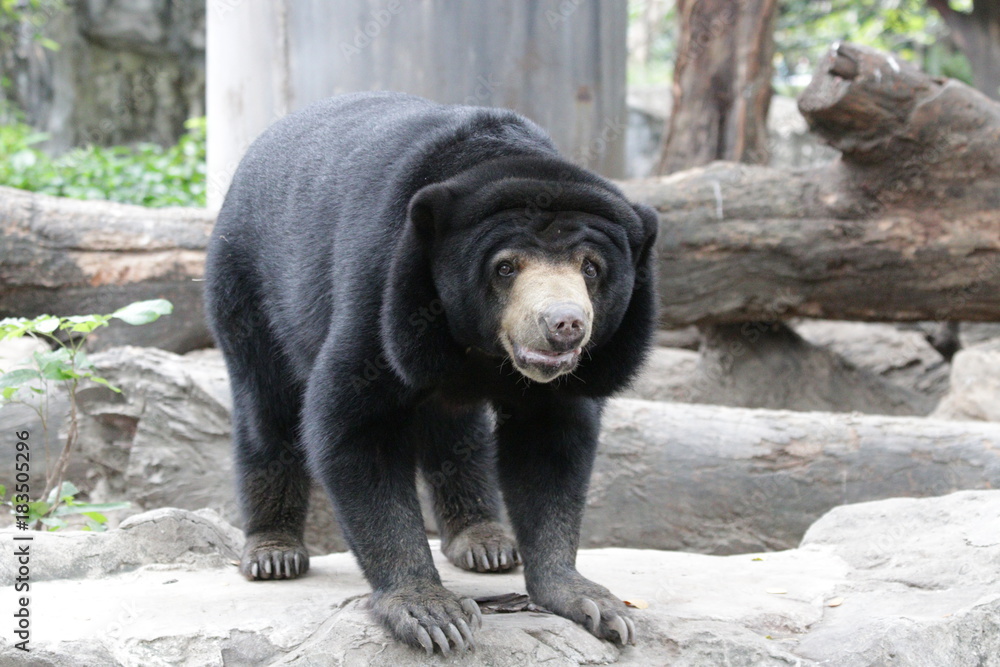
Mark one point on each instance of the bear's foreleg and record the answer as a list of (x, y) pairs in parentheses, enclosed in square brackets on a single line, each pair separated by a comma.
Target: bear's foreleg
[(546, 452), (367, 463)]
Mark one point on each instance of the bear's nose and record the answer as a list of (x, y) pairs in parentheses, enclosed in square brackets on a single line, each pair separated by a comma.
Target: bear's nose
[(565, 325)]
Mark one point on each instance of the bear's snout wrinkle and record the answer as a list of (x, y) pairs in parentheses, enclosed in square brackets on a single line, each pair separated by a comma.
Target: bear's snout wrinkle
[(565, 325)]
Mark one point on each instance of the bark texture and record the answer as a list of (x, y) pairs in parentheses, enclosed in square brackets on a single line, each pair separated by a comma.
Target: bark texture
[(722, 83), (904, 226), (731, 480), (66, 257), (977, 34)]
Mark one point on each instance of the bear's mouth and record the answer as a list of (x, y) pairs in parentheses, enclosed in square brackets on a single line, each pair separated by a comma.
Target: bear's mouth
[(543, 365)]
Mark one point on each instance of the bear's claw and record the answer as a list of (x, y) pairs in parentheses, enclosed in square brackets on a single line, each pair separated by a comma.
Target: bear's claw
[(269, 556), (483, 547), (589, 604), (429, 617)]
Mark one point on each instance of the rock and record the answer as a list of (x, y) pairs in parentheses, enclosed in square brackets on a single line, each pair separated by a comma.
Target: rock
[(669, 375), (916, 582), (829, 366), (166, 536), (18, 417), (922, 585), (688, 338), (667, 476), (974, 333), (769, 365), (164, 441), (902, 357), (126, 71), (975, 385)]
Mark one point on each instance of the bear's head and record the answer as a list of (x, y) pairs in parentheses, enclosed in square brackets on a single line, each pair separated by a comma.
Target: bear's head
[(533, 261)]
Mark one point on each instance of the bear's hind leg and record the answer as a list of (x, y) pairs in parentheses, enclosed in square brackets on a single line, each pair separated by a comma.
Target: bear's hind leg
[(271, 478), (273, 488), (457, 457)]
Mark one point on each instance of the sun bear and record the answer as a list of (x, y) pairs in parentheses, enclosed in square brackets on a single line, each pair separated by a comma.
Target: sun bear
[(401, 286)]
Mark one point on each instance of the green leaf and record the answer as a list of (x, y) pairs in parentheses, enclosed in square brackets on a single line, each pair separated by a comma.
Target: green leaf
[(47, 325), (68, 490), (54, 523), (8, 392), (102, 381), (39, 508), (56, 365), (3, 491), (95, 526), (144, 312), (18, 377), (65, 493), (85, 323)]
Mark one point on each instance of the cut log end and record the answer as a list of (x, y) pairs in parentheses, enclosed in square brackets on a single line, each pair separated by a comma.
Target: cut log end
[(860, 99)]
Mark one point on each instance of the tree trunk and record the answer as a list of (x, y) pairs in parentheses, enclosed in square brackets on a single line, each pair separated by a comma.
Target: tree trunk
[(902, 227), (978, 36), (722, 83), (68, 257)]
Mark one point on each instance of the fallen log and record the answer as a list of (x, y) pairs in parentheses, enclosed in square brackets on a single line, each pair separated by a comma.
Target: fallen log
[(904, 226), (68, 257), (733, 480)]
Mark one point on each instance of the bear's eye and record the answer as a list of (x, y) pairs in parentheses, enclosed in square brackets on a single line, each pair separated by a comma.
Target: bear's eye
[(589, 269), (505, 269)]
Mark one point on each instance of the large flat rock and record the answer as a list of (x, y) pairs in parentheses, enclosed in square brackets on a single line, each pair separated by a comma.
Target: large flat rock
[(902, 582)]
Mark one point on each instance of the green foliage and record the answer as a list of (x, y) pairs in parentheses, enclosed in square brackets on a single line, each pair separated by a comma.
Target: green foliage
[(148, 175), (29, 14), (62, 502), (68, 364), (909, 28), (68, 361), (805, 29)]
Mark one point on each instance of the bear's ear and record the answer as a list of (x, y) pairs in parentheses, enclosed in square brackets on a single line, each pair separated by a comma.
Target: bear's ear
[(430, 209), (414, 326), (650, 220)]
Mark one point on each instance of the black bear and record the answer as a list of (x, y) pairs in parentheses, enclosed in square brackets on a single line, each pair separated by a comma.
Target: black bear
[(398, 285)]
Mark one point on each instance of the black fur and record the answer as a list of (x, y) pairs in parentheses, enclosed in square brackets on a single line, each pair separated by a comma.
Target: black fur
[(348, 289)]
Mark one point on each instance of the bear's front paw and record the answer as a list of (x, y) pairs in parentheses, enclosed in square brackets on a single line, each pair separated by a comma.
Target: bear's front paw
[(428, 615), (273, 556), (483, 547), (589, 604)]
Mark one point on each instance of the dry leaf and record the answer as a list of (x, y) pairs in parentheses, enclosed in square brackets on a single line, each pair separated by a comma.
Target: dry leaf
[(638, 604), (835, 602)]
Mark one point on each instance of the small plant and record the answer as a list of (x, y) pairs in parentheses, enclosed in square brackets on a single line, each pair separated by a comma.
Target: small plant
[(61, 503), (68, 364)]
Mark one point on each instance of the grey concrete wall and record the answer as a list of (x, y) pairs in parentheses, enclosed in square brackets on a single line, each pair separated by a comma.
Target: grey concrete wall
[(560, 62)]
